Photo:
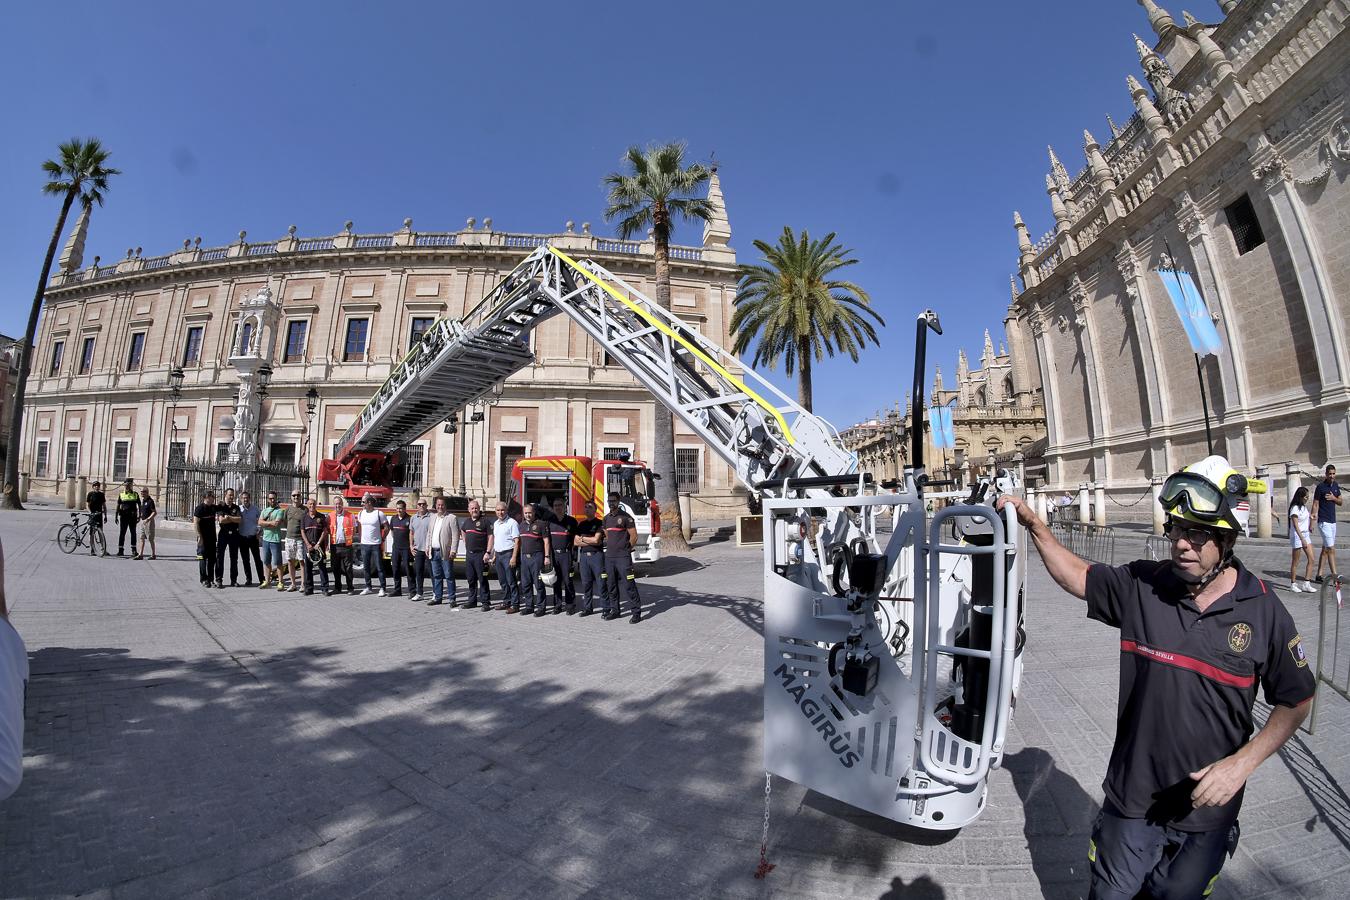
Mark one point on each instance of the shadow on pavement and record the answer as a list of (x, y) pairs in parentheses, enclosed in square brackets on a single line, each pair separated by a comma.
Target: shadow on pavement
[(1059, 817), (657, 599), (921, 888)]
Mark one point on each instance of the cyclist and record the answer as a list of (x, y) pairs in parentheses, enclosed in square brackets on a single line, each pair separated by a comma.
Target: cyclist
[(97, 504)]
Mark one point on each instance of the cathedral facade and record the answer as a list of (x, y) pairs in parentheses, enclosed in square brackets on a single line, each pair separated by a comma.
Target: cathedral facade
[(1235, 169)]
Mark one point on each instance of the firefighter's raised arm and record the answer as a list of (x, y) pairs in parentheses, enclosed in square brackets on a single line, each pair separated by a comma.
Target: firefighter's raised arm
[(1067, 568)]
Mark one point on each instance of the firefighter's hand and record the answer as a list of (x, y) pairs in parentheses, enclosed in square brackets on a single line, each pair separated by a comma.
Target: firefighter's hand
[(1025, 514), (1217, 782)]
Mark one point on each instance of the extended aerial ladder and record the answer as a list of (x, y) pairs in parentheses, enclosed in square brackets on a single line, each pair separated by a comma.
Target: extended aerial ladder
[(908, 729)]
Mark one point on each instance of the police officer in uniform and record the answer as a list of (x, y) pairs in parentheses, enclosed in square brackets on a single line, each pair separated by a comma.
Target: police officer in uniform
[(563, 531), (1199, 635), (620, 536), (476, 529), (590, 542), (533, 553)]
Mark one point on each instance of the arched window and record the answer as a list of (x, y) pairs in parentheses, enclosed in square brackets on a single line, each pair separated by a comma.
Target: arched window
[(1008, 391), (981, 398)]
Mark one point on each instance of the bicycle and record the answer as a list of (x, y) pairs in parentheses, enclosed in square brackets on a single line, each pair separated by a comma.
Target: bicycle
[(76, 534)]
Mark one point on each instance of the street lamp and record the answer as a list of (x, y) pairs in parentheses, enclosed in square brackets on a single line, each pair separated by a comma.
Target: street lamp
[(175, 394), (311, 402)]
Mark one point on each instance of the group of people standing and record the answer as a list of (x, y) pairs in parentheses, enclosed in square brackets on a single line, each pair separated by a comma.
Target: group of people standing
[(533, 558), (136, 514)]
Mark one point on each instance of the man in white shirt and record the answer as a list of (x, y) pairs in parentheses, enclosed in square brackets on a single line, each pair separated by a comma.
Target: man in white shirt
[(501, 548), (373, 525), (13, 688)]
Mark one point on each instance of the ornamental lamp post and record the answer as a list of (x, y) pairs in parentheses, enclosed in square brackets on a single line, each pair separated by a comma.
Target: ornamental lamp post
[(175, 394)]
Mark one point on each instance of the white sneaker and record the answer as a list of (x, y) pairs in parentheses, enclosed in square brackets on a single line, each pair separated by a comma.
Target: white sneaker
[(382, 593), (415, 597), (1293, 586), (1307, 586), (367, 592)]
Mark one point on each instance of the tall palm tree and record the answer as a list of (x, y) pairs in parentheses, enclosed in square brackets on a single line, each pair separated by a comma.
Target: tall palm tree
[(81, 172), (653, 189), (792, 310)]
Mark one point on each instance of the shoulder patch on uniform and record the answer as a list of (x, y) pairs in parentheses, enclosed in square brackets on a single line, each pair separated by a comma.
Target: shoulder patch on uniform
[(1296, 651)]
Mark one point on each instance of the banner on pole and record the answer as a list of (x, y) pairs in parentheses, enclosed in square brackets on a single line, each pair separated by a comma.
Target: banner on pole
[(1192, 311), (940, 422)]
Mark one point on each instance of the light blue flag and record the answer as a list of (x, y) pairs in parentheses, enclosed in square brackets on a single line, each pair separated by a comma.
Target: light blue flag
[(940, 421), (1191, 309)]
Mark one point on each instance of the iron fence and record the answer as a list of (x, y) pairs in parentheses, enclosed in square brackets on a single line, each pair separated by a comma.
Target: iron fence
[(1332, 669), (1094, 542), (189, 480)]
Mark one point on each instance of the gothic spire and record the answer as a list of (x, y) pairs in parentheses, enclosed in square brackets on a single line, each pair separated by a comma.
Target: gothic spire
[(717, 230), (1158, 18)]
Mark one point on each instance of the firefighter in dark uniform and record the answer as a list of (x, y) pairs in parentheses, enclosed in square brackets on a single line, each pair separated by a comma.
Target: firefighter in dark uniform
[(1198, 634), (533, 553), (590, 543), (620, 536), (476, 529), (563, 531)]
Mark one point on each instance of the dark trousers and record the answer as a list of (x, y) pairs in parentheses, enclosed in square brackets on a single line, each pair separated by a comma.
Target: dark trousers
[(421, 567), (476, 573), (371, 560), (1130, 855), (309, 573), (619, 577), (227, 542), (592, 565), (533, 593), (206, 565), (249, 545), (400, 560), (506, 577), (341, 559), (126, 527), (564, 591), (96, 524)]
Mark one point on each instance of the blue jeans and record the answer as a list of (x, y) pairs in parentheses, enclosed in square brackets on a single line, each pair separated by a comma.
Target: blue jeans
[(442, 574), (370, 561)]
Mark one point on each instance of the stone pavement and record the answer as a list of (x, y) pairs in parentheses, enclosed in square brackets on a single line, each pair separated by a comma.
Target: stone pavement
[(244, 743)]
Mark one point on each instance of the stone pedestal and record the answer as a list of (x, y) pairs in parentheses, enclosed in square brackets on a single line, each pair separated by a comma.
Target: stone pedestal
[(70, 492), (1099, 504), (1159, 517), (1263, 504), (23, 487), (686, 516), (1084, 516)]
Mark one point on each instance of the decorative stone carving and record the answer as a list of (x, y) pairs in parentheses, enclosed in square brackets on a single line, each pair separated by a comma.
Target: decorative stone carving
[(1189, 219), (1338, 141)]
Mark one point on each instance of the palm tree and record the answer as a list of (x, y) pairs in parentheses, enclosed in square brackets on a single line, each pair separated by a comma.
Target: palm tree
[(81, 173), (651, 192), (795, 313)]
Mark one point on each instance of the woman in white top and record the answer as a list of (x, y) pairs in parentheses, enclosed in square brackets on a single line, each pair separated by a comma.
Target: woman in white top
[(1300, 519)]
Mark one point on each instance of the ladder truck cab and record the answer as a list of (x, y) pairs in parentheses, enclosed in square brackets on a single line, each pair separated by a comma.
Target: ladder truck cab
[(578, 480)]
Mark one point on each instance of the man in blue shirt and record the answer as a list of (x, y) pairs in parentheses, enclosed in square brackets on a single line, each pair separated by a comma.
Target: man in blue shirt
[(248, 537), (1327, 496)]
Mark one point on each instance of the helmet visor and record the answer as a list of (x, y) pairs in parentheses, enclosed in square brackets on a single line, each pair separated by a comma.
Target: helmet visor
[(1194, 494)]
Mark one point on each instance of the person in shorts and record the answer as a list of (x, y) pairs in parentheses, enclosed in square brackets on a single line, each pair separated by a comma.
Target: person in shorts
[(1327, 496), (270, 522), (146, 524), (295, 544)]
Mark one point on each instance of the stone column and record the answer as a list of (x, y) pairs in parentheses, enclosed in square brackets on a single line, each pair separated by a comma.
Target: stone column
[(1084, 516), (1232, 361), (1263, 504), (1087, 343), (1314, 286), (1042, 342), (1099, 504), (1293, 480), (23, 487), (83, 490), (1159, 516), (70, 492)]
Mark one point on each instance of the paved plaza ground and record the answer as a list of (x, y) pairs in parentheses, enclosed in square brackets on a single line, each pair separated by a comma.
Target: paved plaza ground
[(241, 743)]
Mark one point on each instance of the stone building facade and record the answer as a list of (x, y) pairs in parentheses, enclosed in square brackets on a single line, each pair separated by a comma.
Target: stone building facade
[(99, 402), (1236, 165), (996, 413)]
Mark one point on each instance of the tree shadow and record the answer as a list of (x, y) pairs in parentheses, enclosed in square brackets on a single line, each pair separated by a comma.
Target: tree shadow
[(921, 888), (658, 599), (1059, 816)]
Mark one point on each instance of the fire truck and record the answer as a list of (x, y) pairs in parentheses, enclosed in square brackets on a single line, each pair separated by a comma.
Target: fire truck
[(892, 639), (578, 480)]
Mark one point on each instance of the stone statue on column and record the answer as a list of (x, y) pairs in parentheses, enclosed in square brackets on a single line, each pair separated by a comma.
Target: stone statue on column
[(251, 355)]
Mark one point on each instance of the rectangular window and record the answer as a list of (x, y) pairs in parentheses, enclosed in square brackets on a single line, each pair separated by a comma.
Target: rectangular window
[(192, 347), (1247, 234), (354, 350), (177, 452), (222, 451), (87, 356), (507, 457), (246, 341), (414, 466), (420, 324), (137, 352), (687, 469), (72, 458), (121, 460), (40, 464), (296, 331), (58, 351), (614, 452), (281, 454)]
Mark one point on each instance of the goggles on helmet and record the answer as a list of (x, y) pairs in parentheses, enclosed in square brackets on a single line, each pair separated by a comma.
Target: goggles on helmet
[(1199, 497)]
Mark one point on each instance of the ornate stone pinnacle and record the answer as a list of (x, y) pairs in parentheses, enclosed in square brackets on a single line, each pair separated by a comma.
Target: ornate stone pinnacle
[(291, 230), (1088, 139), (1158, 18), (1133, 84), (1017, 220), (1050, 184), (407, 224), (347, 227), (1144, 50), (242, 235), (1188, 19), (1012, 281), (1115, 132)]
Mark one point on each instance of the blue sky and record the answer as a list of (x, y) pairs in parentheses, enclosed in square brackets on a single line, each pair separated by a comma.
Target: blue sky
[(910, 129)]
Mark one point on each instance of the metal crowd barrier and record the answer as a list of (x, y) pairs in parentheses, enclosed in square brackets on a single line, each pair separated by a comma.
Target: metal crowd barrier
[(1157, 547), (1331, 671), (1094, 542)]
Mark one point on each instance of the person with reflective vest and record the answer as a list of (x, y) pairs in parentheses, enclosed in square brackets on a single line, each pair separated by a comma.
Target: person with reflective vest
[(563, 533), (620, 538), (532, 555), (1199, 633), (342, 532), (590, 542), (128, 512), (476, 530)]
